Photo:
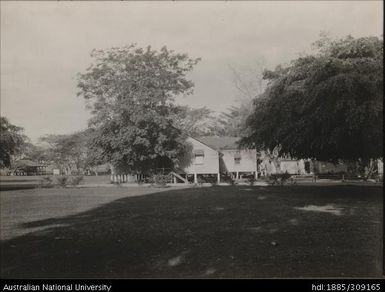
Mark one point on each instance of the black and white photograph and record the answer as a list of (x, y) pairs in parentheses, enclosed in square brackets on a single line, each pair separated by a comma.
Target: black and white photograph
[(191, 140)]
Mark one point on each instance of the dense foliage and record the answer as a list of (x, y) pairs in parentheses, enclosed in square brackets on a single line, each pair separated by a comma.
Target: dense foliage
[(69, 152), (233, 121), (12, 140), (130, 92), (328, 105)]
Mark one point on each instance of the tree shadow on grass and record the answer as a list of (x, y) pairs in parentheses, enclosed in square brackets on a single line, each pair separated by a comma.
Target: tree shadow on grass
[(197, 232)]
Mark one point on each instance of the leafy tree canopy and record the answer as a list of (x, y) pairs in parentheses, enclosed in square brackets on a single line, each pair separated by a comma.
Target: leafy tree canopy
[(12, 140), (233, 121), (34, 152), (196, 121), (327, 106), (130, 92), (67, 151)]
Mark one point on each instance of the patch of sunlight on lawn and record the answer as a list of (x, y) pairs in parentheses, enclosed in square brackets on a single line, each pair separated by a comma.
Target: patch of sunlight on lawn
[(176, 261), (326, 209), (255, 229), (219, 208), (210, 271)]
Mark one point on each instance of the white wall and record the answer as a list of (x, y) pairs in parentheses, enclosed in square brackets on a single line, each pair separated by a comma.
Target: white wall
[(292, 166), (210, 163), (248, 162)]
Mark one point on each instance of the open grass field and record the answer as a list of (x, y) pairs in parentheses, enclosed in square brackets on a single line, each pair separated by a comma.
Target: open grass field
[(225, 232), (31, 182)]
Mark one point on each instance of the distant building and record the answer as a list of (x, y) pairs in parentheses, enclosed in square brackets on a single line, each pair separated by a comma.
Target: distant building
[(294, 166), (216, 156), (27, 167)]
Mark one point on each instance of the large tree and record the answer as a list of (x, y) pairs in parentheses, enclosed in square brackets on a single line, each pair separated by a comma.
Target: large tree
[(130, 92), (249, 84), (233, 121), (35, 152), (69, 152), (12, 140), (327, 105), (197, 121)]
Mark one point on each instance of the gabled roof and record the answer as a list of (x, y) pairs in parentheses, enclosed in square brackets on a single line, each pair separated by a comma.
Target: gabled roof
[(220, 143), (26, 163)]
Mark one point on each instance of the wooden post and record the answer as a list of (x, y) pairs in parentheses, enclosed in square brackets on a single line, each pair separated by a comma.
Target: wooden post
[(195, 178), (112, 173), (237, 175), (256, 175), (218, 178)]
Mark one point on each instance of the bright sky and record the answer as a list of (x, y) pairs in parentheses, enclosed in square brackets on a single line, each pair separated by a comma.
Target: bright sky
[(45, 44)]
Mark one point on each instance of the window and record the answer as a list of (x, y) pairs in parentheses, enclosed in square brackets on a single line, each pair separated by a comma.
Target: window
[(237, 158), (199, 156)]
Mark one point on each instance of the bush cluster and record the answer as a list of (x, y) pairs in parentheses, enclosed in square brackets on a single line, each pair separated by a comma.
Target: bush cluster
[(160, 179), (279, 178), (228, 179), (63, 181), (212, 179), (46, 182)]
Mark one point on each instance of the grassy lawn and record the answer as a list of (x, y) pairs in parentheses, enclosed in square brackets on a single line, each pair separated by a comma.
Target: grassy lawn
[(31, 182), (19, 208), (239, 231)]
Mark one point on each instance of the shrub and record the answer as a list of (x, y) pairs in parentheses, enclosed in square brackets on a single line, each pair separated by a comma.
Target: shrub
[(279, 178), (200, 181), (160, 179), (228, 179), (252, 180), (46, 182), (146, 179), (75, 180), (62, 181), (208, 178)]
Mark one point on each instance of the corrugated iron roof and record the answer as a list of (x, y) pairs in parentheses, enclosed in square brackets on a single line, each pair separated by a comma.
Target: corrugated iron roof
[(220, 143)]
